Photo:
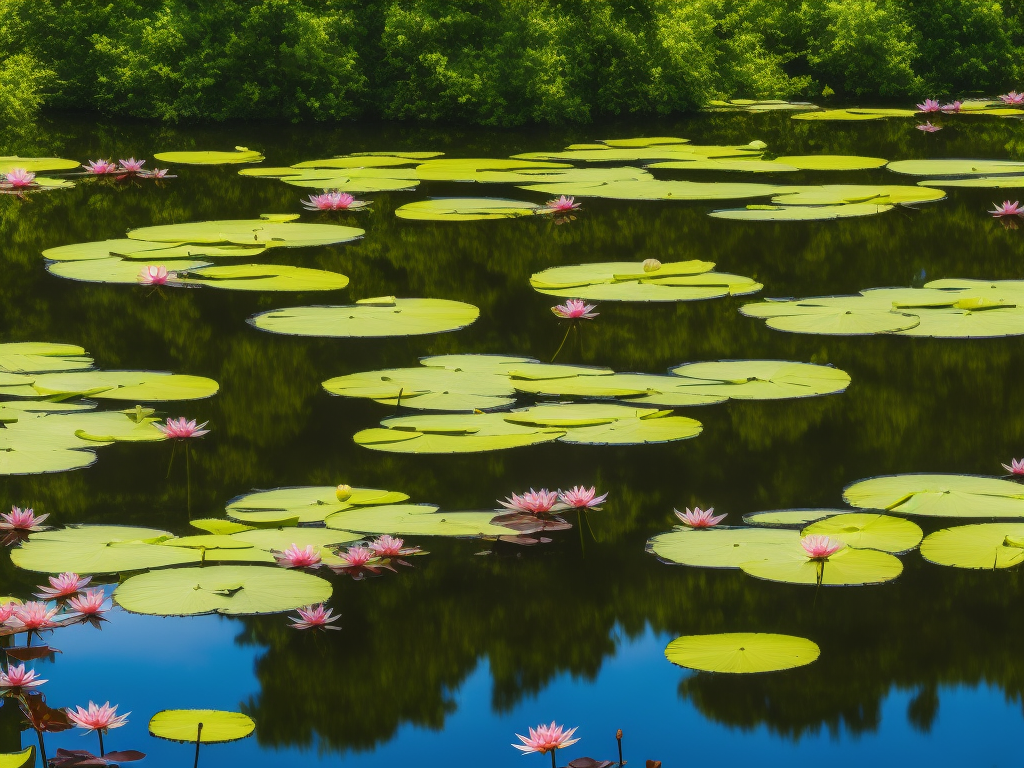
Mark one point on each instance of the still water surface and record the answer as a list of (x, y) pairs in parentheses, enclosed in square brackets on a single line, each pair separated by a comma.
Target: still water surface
[(442, 664)]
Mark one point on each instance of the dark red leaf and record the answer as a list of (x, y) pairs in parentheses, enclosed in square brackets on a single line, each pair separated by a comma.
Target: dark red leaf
[(21, 653), (125, 756), (41, 716), (589, 762), (654, 764)]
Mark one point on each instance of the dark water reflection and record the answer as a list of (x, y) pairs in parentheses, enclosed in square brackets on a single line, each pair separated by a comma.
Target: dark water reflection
[(532, 616)]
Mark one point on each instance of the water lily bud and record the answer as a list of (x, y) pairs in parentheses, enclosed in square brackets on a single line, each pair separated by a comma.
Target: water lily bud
[(651, 265), (344, 492)]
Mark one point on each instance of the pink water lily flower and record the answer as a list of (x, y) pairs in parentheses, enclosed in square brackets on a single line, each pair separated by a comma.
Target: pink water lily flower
[(534, 502), (65, 585), (580, 497), (7, 611), (562, 204), (156, 173), (32, 616), (180, 429), (1012, 98), (92, 603), (356, 557), (313, 617), (546, 738), (930, 105), (927, 127), (97, 718), (820, 547), (575, 309), (329, 201), (700, 518), (1016, 467), (17, 677), (156, 275), (19, 178), (131, 165), (99, 167), (1007, 209), (22, 520), (293, 557), (952, 107)]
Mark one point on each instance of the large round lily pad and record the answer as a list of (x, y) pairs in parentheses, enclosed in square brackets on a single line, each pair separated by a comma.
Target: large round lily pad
[(97, 552), (722, 547), (801, 212), (762, 379), (741, 652), (416, 520), (193, 157), (955, 167), (789, 518), (217, 726), (982, 546), (939, 496), (42, 357), (428, 388), (370, 318), (235, 590), (863, 530), (246, 232), (847, 567), (466, 209), (137, 386), (307, 504)]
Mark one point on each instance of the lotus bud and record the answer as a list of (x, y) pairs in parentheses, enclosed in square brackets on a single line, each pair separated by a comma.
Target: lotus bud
[(651, 265), (343, 492)]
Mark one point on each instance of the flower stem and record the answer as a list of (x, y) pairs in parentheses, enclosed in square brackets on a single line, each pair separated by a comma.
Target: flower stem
[(553, 758), (188, 483), (199, 740), (579, 524), (99, 732), (42, 748), (564, 338), (174, 447)]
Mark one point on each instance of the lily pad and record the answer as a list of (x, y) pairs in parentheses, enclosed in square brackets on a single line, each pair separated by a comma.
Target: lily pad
[(452, 433), (42, 357), (287, 234), (762, 379), (659, 189), (116, 270), (370, 318), (466, 169), (416, 520), (858, 194), (24, 759), (855, 114), (28, 460), (102, 249), (370, 160), (645, 388), (979, 182), (789, 518), (281, 539), (137, 386), (787, 163), (233, 590), (94, 549), (309, 504), (869, 531), (800, 212), (722, 547), (467, 209), (428, 388), (939, 496), (240, 155), (741, 652), (265, 277), (847, 567), (955, 167), (217, 726), (982, 546), (36, 164), (646, 151)]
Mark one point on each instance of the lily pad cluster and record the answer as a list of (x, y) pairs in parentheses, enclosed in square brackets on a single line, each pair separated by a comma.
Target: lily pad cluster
[(358, 172), (963, 172), (949, 308), (49, 426), (177, 254), (759, 105), (21, 175), (642, 281), (857, 114)]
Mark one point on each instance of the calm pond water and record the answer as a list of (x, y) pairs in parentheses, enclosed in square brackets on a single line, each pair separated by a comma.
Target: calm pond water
[(443, 663)]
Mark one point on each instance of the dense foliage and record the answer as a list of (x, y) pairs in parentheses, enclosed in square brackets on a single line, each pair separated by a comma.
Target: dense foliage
[(491, 62)]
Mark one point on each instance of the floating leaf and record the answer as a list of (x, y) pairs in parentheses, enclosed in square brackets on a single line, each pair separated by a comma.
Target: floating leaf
[(281, 539), (240, 155), (763, 379), (233, 590), (980, 182), (800, 212), (944, 167), (658, 189), (869, 531), (986, 545), (308, 504), (36, 164), (650, 141), (374, 318), (42, 357), (452, 433), (431, 388), (246, 232), (219, 526), (722, 547), (265, 277), (369, 160), (741, 652), (137, 386), (789, 518), (645, 388), (843, 194), (939, 496), (854, 114), (26, 460), (752, 105), (416, 520), (99, 549), (646, 151), (467, 209), (24, 759), (847, 567), (117, 270), (102, 249), (466, 169), (184, 725), (783, 164)]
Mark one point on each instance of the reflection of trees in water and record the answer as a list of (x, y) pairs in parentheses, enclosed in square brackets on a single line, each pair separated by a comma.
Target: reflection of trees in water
[(409, 642)]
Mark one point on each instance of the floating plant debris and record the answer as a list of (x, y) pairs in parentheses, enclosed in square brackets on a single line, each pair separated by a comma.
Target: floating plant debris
[(939, 496), (741, 652), (370, 318), (240, 155)]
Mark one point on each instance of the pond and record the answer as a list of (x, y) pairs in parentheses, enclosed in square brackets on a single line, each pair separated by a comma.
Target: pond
[(443, 663)]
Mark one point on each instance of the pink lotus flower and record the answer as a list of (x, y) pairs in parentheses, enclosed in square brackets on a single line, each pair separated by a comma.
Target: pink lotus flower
[(65, 585), (356, 557), (534, 502), (156, 275), (329, 201), (180, 429), (22, 520), (952, 107), (546, 738), (388, 546), (313, 617), (930, 105), (156, 173), (820, 547), (92, 603), (293, 557), (700, 518), (1016, 467), (32, 616), (927, 127), (19, 178), (1012, 98), (99, 167), (97, 718), (580, 497), (131, 165), (574, 309), (562, 204), (17, 677), (1007, 209), (7, 611)]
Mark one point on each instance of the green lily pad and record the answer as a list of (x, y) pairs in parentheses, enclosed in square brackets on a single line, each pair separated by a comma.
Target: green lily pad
[(789, 518), (24, 759), (309, 504), (854, 114), (939, 496), (280, 539), (29, 460), (722, 547), (741, 652), (645, 388), (754, 105), (467, 209), (266, 277), (287, 234), (138, 386), (416, 520), (649, 141), (240, 155), (370, 160), (42, 357), (800, 212), (217, 726), (452, 433), (862, 530), (428, 388), (233, 590), (979, 182), (36, 164), (219, 526), (350, 182), (982, 546), (370, 318), (83, 429), (88, 554), (466, 169), (847, 567), (786, 163), (858, 194), (475, 363), (659, 189), (117, 270), (635, 431), (102, 249), (762, 379), (646, 152), (835, 321), (954, 167)]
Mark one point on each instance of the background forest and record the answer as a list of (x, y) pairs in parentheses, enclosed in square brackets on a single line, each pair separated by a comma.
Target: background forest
[(490, 62)]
